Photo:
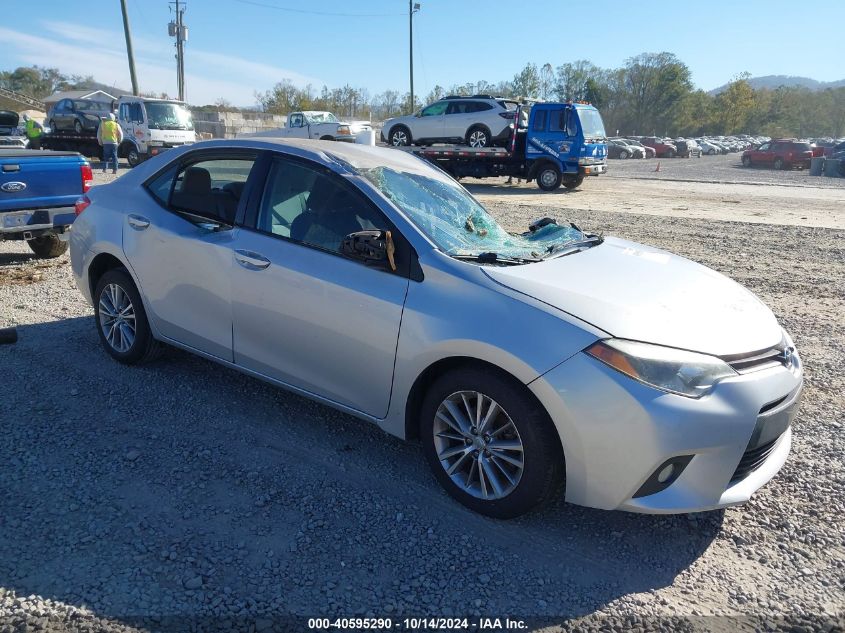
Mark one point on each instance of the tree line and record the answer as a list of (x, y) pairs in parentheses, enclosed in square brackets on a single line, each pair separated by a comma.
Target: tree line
[(652, 93)]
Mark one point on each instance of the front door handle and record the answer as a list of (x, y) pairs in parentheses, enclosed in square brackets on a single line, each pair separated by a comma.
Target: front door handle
[(251, 260), (137, 221)]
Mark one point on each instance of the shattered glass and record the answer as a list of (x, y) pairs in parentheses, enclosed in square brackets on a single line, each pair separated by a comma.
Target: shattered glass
[(456, 222)]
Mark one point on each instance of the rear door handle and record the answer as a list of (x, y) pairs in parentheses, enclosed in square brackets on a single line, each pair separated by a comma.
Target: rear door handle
[(251, 260), (137, 221)]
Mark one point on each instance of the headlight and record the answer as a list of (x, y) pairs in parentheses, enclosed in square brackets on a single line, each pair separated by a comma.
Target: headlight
[(676, 371)]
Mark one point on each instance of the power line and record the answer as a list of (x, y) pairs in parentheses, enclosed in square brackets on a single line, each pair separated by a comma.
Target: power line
[(328, 13)]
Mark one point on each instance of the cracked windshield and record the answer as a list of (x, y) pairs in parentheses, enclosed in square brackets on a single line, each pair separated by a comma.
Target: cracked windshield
[(458, 224)]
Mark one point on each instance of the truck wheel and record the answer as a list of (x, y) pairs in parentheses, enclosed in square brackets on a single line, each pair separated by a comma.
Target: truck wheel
[(478, 136), (400, 136), (121, 320), (133, 157), (572, 183), (47, 246), (52, 125), (549, 177)]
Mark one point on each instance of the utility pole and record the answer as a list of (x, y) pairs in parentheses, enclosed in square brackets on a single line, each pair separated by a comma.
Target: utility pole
[(413, 7), (180, 31), (129, 52)]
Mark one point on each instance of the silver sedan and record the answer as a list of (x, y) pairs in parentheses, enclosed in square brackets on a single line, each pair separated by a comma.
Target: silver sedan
[(554, 361)]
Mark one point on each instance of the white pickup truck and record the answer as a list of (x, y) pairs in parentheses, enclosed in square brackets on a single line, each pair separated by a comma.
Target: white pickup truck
[(318, 125)]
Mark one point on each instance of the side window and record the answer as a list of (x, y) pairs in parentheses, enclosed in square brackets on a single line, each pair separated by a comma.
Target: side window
[(161, 185), (480, 106), (539, 124), (136, 115), (210, 188), (763, 148), (295, 120), (435, 109), (557, 121), (306, 205)]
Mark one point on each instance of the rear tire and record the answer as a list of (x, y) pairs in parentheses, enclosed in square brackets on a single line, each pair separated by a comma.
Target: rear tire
[(549, 177), (525, 474), (478, 136), (77, 127), (670, 154), (121, 320), (623, 154), (778, 164), (746, 160), (47, 246)]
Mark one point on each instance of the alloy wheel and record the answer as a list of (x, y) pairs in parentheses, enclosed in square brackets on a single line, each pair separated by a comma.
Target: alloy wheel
[(117, 318), (478, 138), (399, 138), (478, 445)]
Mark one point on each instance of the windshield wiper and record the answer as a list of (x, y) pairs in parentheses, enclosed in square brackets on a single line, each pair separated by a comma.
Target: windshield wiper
[(573, 246), (496, 258)]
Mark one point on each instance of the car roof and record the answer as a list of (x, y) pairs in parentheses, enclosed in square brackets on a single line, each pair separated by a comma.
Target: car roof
[(354, 154)]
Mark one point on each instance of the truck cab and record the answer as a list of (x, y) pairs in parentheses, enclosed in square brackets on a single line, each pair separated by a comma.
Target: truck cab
[(569, 134), (151, 126)]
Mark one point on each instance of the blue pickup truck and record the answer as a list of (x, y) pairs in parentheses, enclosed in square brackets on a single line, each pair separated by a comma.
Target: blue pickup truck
[(38, 196), (553, 143)]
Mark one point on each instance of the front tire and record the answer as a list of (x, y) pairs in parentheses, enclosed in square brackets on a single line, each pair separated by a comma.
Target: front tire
[(623, 154), (132, 156), (489, 444), (779, 164), (77, 127), (572, 183), (121, 319), (746, 160), (549, 177), (478, 136), (400, 136), (47, 246)]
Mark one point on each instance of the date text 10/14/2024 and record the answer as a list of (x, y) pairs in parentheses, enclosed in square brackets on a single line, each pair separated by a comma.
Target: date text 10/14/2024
[(417, 624)]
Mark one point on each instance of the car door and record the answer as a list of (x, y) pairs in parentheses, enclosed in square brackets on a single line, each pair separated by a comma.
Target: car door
[(305, 314), (459, 116), (61, 114), (429, 124), (298, 126), (179, 245), (765, 153)]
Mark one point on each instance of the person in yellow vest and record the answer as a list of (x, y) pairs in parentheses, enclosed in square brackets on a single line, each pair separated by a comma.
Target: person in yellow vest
[(109, 135), (33, 132)]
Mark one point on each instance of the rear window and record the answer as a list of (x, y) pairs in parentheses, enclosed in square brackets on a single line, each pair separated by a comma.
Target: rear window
[(509, 105)]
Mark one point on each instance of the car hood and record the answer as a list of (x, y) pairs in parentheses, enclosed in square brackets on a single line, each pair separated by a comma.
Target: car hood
[(645, 294)]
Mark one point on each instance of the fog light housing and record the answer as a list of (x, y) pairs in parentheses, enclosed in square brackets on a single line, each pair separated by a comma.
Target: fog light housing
[(664, 476)]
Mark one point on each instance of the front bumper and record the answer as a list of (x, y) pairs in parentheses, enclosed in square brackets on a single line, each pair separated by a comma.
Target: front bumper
[(617, 432), (592, 170), (29, 224), (155, 150)]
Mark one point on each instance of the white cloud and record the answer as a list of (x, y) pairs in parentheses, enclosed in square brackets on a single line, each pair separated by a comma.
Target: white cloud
[(83, 50)]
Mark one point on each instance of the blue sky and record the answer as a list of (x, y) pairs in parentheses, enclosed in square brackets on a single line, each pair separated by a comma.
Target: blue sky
[(239, 46)]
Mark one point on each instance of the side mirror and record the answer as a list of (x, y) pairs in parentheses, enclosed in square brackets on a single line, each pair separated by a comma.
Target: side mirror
[(370, 247)]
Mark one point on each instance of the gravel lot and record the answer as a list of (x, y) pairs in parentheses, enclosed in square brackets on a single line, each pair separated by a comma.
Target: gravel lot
[(184, 496)]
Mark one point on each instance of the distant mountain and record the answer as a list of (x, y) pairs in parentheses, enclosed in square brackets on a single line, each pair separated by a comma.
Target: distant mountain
[(775, 81)]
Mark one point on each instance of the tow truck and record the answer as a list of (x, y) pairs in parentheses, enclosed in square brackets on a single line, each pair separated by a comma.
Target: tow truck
[(553, 143)]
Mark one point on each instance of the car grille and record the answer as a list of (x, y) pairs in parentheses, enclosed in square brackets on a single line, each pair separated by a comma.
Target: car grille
[(752, 459), (780, 354)]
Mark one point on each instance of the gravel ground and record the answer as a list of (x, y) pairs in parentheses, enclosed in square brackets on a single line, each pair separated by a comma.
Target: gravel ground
[(184, 496)]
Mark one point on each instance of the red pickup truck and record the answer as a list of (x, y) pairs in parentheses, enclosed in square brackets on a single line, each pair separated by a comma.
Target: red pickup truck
[(784, 153)]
